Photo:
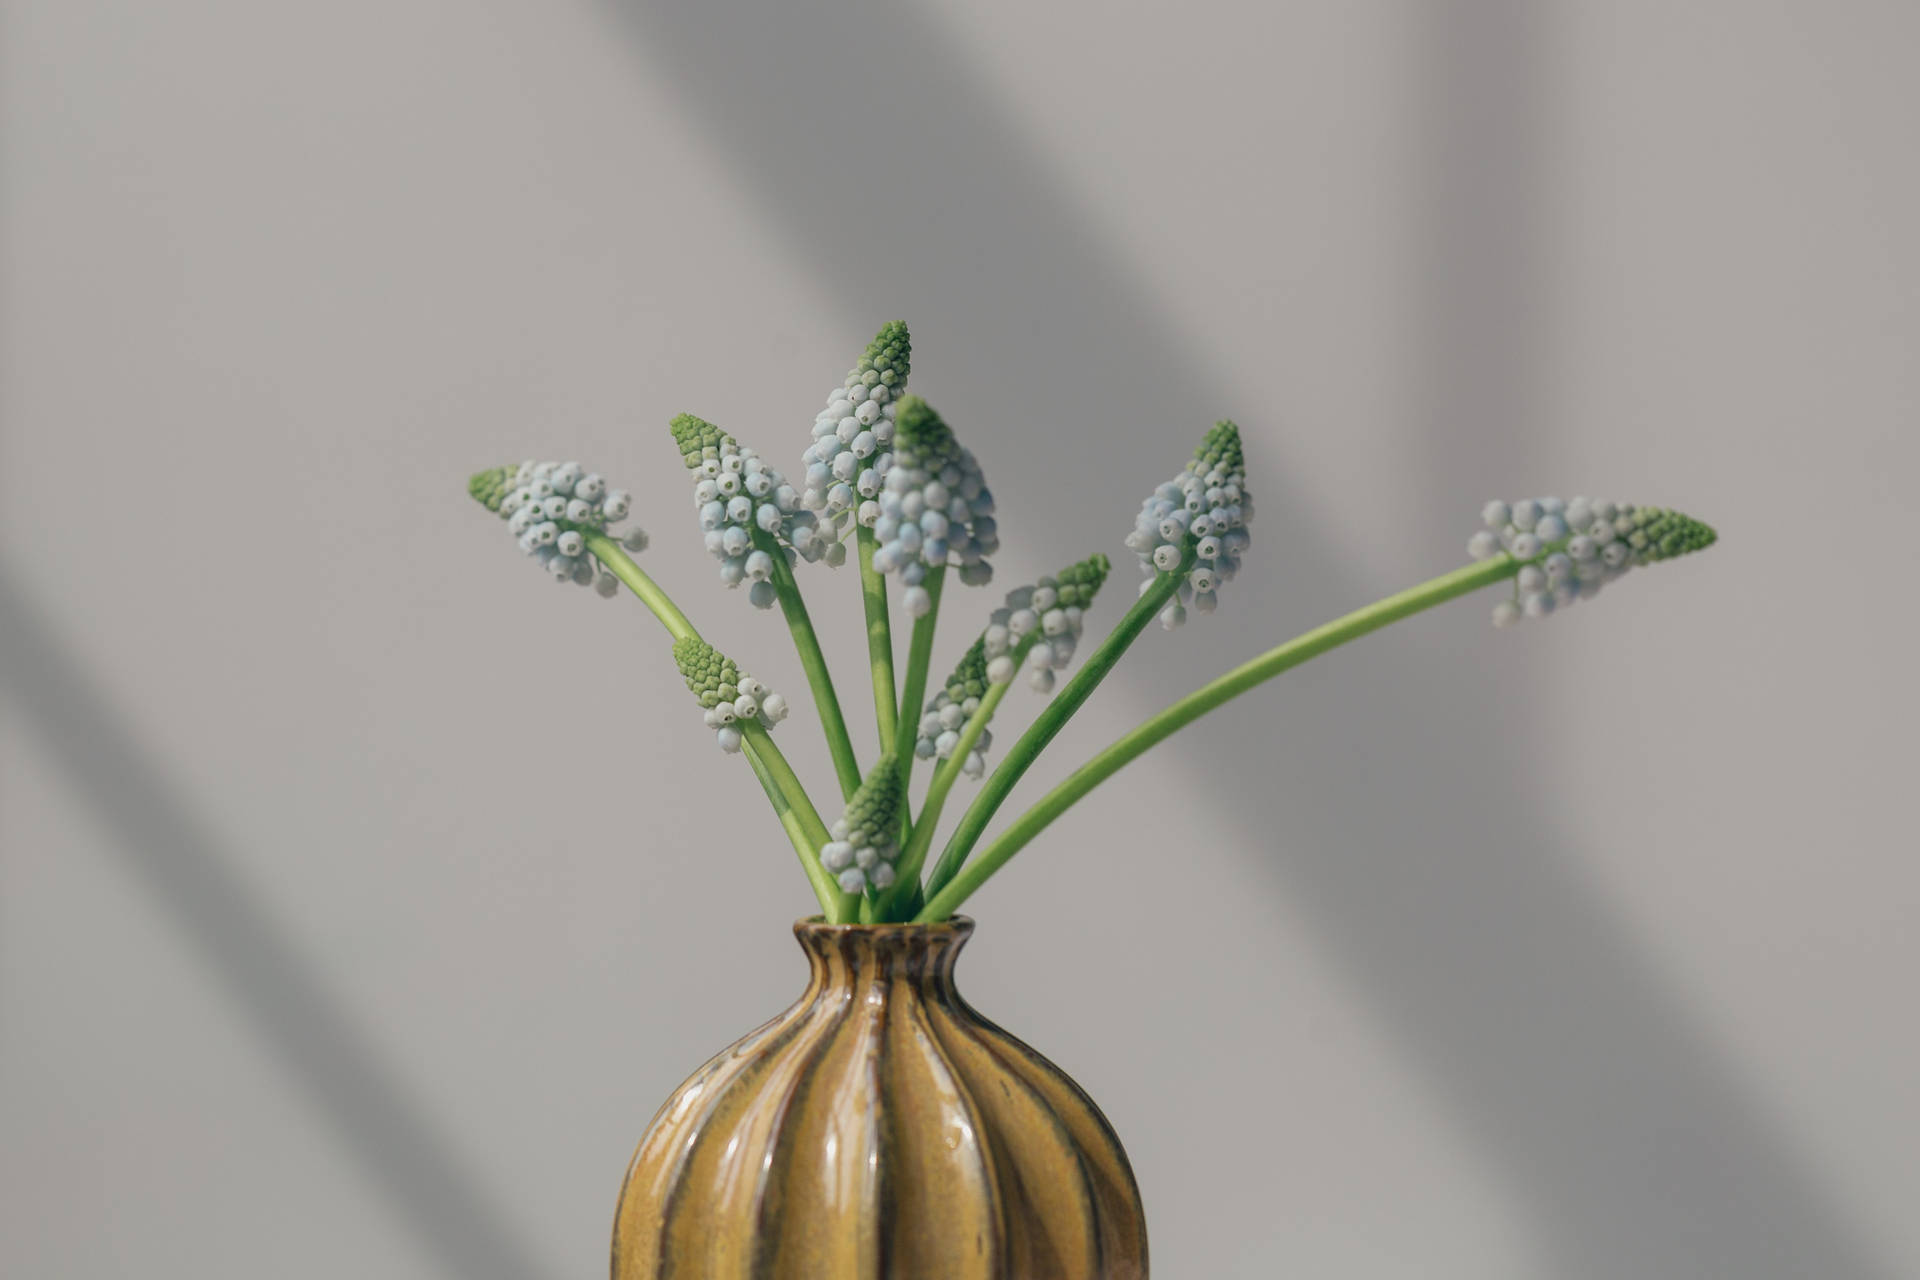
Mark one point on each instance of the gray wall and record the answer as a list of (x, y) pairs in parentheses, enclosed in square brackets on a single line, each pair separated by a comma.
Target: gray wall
[(354, 878)]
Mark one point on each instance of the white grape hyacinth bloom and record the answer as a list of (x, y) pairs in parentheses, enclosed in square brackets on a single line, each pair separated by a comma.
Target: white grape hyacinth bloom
[(1203, 512), (736, 493), (1045, 620), (551, 508), (729, 696), (934, 507), (852, 448), (1569, 550)]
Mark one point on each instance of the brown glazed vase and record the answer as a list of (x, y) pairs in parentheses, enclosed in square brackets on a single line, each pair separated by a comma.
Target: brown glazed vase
[(879, 1128)]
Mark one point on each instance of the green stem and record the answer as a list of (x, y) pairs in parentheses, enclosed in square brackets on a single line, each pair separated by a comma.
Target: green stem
[(1049, 722), (814, 662), (944, 775), (873, 594), (942, 902), (919, 652), (610, 554), (790, 822), (789, 799), (839, 906)]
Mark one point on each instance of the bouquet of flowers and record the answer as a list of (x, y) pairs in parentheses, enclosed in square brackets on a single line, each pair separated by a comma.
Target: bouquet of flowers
[(886, 472)]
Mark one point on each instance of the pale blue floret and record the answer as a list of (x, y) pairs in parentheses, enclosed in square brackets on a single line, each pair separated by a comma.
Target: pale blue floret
[(736, 493), (1202, 514), (729, 696), (1045, 620), (1572, 549), (550, 508), (934, 507), (851, 451)]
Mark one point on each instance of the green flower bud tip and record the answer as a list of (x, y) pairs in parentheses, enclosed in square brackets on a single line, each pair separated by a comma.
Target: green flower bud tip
[(1569, 550), (728, 694), (888, 357), (916, 424), (969, 678), (710, 675), (698, 439), (1079, 583), (489, 487), (1220, 451), (863, 848)]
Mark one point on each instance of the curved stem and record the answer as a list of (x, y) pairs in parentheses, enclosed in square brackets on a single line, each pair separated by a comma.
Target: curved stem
[(873, 594), (789, 821), (942, 902), (919, 653), (1052, 718), (788, 797), (622, 566), (839, 906), (814, 662)]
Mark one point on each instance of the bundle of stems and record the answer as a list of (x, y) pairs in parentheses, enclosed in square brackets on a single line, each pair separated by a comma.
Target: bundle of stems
[(887, 474)]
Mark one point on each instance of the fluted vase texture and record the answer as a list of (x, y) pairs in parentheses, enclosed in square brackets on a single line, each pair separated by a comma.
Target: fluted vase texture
[(880, 1128)]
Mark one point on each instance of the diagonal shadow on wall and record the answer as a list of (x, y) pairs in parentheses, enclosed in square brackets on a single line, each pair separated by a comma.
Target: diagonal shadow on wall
[(180, 863), (1504, 978)]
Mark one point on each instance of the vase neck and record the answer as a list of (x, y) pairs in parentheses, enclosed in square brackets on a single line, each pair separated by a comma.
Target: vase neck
[(917, 955)]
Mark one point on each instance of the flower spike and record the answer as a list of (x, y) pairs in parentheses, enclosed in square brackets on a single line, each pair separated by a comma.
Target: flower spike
[(934, 505), (1204, 510), (551, 507), (728, 695), (865, 840), (1569, 550), (736, 491), (852, 451), (1045, 620)]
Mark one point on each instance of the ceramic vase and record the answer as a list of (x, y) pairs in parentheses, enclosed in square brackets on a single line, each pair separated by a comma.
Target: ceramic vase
[(880, 1127)]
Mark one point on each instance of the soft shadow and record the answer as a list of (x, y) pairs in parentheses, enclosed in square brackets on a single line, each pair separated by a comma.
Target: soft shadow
[(1476, 939), (182, 866)]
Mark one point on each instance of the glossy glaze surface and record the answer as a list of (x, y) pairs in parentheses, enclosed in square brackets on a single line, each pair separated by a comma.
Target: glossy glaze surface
[(879, 1128)]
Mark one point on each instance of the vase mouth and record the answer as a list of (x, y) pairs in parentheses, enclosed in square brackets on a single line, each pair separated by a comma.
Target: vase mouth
[(817, 926)]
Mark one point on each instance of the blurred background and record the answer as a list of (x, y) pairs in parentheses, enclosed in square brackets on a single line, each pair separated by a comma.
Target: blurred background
[(361, 894)]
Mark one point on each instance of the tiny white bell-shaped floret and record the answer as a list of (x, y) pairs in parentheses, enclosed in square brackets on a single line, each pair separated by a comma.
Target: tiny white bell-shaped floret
[(1569, 550), (553, 512)]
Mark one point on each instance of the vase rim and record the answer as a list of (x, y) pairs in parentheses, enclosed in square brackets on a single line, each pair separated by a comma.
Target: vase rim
[(818, 925)]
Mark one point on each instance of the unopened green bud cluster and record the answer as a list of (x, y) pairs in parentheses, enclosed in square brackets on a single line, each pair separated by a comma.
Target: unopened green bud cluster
[(1204, 512), (1571, 549), (865, 841), (551, 508), (728, 695)]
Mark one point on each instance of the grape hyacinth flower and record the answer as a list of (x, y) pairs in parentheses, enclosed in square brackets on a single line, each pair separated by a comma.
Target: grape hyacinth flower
[(551, 507), (851, 451), (1204, 510), (1569, 550), (949, 709), (730, 697), (736, 492), (865, 842), (1046, 620), (934, 506)]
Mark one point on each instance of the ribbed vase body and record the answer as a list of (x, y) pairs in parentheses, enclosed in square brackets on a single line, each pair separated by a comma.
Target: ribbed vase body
[(879, 1128)]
